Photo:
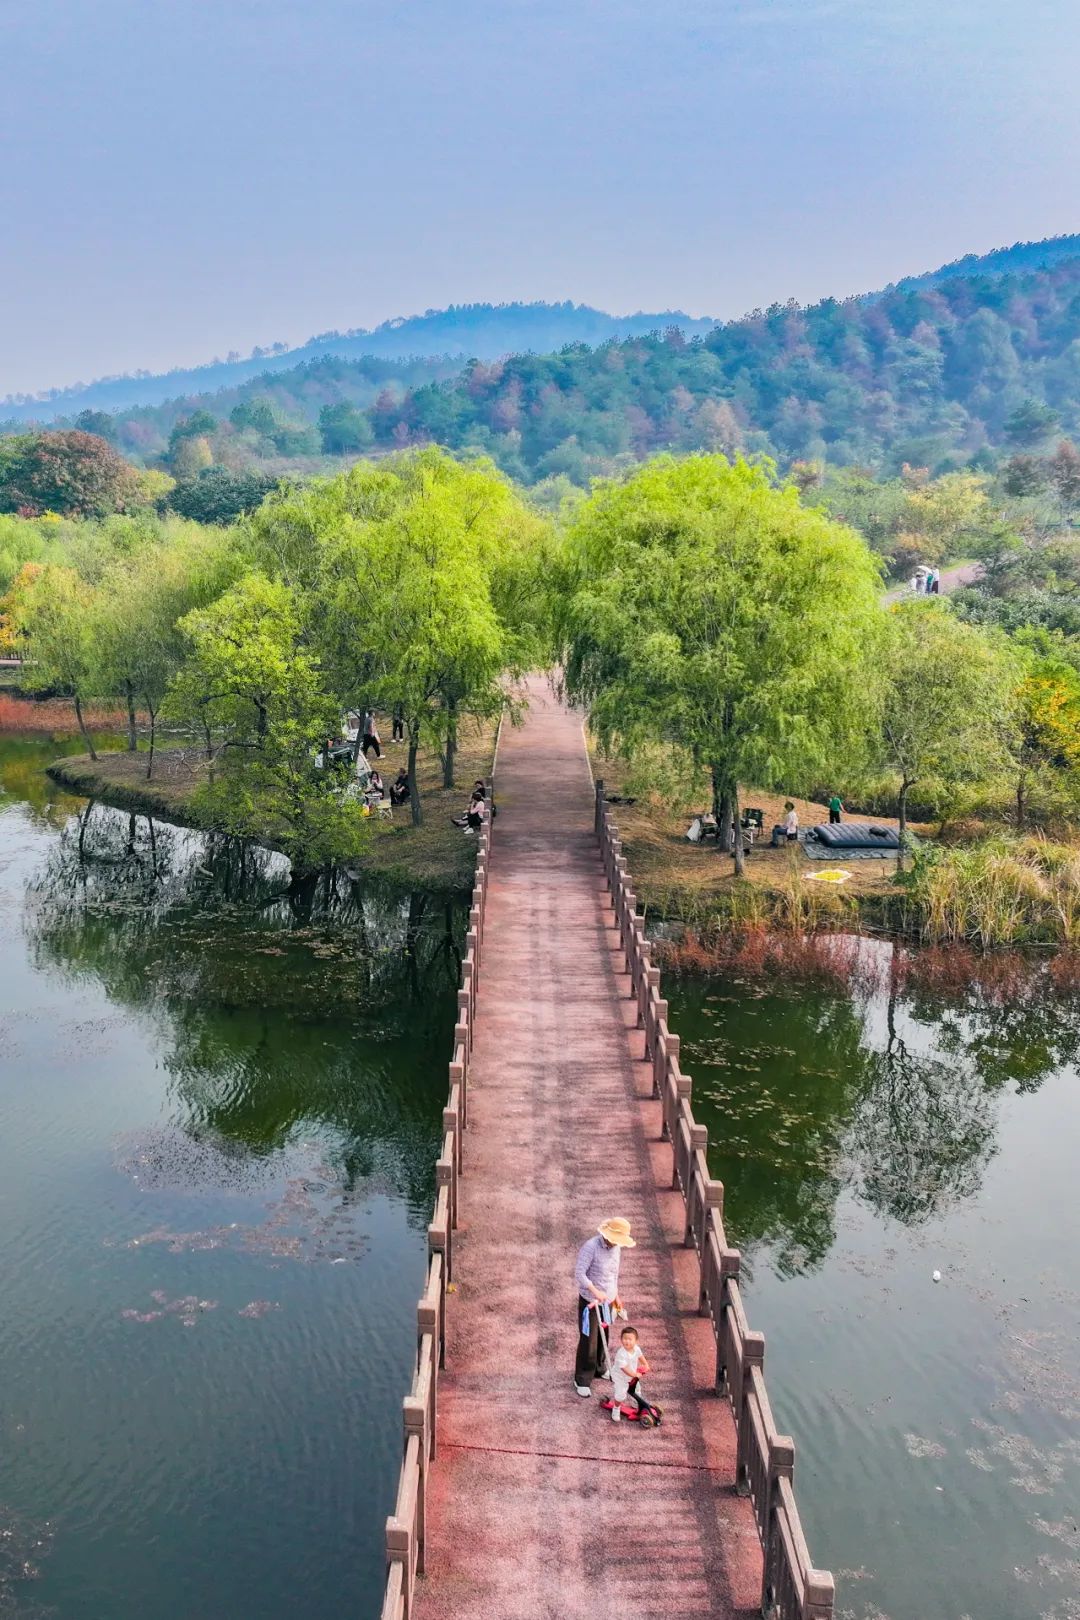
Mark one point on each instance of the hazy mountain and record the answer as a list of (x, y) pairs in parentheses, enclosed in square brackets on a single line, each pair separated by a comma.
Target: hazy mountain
[(1004, 261), (464, 331)]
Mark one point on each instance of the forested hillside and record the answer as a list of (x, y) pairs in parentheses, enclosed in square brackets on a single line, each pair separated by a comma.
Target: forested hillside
[(1022, 256), (462, 332), (936, 377)]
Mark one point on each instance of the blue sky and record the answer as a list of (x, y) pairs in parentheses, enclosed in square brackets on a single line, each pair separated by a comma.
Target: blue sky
[(185, 177)]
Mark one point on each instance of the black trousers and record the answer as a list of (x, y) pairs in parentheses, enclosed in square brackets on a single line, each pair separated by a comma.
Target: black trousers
[(370, 742), (397, 730), (834, 817), (590, 1361)]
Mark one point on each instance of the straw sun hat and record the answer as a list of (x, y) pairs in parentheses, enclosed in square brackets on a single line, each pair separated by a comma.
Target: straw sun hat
[(617, 1230)]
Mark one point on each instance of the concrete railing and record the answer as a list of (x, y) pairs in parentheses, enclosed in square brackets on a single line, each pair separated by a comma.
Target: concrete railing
[(406, 1528), (792, 1589)]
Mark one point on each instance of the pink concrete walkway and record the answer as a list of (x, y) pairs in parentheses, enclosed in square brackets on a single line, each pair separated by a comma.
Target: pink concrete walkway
[(540, 1508)]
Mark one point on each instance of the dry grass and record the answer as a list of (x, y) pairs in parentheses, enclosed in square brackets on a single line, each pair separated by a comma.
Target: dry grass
[(433, 855), (692, 881), (55, 717)]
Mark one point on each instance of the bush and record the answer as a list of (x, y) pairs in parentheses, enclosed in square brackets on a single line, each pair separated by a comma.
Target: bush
[(220, 496)]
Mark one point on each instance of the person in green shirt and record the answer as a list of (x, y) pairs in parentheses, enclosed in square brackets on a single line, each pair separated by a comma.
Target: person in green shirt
[(835, 809)]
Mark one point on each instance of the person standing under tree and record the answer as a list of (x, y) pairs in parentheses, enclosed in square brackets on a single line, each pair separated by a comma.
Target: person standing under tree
[(370, 736), (836, 809), (597, 1277)]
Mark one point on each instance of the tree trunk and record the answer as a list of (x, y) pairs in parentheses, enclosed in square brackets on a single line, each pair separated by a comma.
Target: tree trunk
[(153, 736), (83, 819), (736, 823), (414, 791), (1021, 801), (721, 809), (902, 819), (82, 727), (133, 739), (451, 746)]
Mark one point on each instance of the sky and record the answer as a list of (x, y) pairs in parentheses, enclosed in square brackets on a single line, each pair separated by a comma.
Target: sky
[(181, 178)]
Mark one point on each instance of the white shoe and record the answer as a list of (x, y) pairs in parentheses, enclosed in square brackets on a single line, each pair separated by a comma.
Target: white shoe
[(583, 1390), (616, 1414)]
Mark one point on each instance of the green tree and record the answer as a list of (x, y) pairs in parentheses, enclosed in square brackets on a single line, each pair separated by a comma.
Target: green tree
[(948, 700), (417, 576), (219, 495), (135, 625), (74, 474), (344, 429), (1047, 734), (52, 608), (708, 607), (1030, 423), (256, 692), (97, 422)]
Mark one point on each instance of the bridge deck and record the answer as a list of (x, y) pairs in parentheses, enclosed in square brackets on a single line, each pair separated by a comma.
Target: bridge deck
[(539, 1507)]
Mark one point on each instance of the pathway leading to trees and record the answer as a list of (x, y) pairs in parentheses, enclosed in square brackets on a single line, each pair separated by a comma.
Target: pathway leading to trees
[(539, 1507)]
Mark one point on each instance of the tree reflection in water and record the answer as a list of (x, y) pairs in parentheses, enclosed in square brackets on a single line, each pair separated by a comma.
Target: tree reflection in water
[(324, 1007), (890, 1092)]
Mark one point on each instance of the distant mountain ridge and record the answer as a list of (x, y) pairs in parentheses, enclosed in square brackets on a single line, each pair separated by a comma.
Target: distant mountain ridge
[(1006, 261), (460, 332)]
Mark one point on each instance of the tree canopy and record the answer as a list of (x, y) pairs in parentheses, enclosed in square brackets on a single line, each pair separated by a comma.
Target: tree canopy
[(708, 607)]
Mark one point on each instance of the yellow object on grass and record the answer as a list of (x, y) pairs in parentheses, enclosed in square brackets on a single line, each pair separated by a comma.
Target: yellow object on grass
[(833, 875)]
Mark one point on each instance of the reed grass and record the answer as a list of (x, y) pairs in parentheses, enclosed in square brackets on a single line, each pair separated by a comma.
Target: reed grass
[(1002, 891)]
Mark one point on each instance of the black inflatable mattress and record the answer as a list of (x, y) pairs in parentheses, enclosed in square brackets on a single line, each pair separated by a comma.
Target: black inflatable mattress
[(857, 835)]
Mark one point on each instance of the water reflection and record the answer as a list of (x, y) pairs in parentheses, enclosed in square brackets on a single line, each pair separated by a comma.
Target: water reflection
[(276, 1005), (890, 1091)]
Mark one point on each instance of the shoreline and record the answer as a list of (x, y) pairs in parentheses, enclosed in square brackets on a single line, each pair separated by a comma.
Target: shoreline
[(434, 856)]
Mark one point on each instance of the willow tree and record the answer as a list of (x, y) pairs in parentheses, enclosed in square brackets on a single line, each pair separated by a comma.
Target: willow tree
[(418, 576), (950, 703), (708, 608), (256, 693), (52, 609)]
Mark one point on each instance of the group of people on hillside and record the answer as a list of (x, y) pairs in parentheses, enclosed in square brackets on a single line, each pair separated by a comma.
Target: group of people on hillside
[(926, 582)]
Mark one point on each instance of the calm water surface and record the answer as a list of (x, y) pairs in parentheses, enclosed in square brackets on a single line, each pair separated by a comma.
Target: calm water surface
[(866, 1141), (219, 1113)]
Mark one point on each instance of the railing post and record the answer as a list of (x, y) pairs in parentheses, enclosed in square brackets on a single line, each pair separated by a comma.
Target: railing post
[(665, 1049), (780, 1465), (820, 1597), (699, 1143), (399, 1551), (598, 812), (714, 1200), (730, 1271), (415, 1416), (427, 1322), (753, 1355)]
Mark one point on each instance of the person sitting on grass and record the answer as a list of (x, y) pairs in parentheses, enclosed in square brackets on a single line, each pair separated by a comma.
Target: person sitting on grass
[(474, 814), (375, 786), (791, 822), (399, 789)]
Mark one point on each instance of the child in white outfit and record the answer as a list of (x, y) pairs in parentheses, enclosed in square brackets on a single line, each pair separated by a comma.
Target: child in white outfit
[(627, 1368)]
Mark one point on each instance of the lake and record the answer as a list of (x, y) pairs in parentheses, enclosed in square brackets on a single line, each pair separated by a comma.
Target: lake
[(220, 1107), (865, 1141)]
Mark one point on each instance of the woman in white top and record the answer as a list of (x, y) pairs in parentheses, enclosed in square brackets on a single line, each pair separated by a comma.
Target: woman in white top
[(791, 822)]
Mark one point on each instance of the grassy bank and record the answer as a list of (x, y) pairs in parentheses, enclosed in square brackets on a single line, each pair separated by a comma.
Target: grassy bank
[(988, 888), (695, 884), (432, 856)]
